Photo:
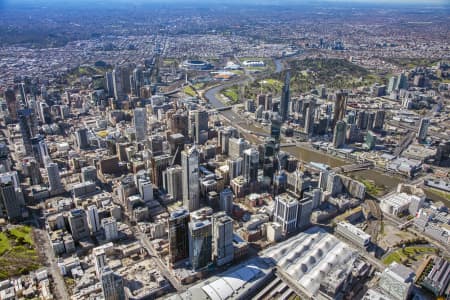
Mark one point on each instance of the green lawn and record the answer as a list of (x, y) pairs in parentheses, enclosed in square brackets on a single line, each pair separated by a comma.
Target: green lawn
[(4, 243), (18, 255), (371, 187), (408, 254), (24, 232), (189, 91), (231, 93)]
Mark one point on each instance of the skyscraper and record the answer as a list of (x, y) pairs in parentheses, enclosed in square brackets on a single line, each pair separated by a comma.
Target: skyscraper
[(226, 201), (340, 105), (109, 225), (173, 182), (191, 175), (109, 83), (112, 285), (93, 218), (275, 130), (78, 224), (138, 81), (305, 208), (40, 149), (11, 205), (140, 123), (11, 103), (54, 179), (82, 138), (222, 235), (339, 134), (178, 235), (250, 166), (285, 97), (201, 126), (423, 129), (379, 120), (200, 244), (286, 209)]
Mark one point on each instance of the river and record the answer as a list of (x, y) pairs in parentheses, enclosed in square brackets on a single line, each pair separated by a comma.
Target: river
[(305, 154)]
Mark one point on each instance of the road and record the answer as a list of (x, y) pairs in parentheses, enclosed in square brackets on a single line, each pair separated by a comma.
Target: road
[(162, 267), (59, 284)]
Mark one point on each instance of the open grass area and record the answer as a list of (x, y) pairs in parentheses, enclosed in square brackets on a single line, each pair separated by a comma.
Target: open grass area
[(23, 232), (4, 243), (18, 255), (271, 85), (231, 93), (408, 254), (371, 187), (410, 63), (189, 91)]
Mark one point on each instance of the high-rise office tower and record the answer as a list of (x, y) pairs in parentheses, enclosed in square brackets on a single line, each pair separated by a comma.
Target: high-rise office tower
[(78, 224), (402, 82), (173, 182), (423, 129), (179, 123), (82, 138), (235, 167), (30, 168), (118, 84), (305, 208), (89, 173), (334, 184), (250, 166), (309, 117), (54, 179), (176, 144), (93, 218), (40, 149), (226, 201), (11, 205), (138, 81), (200, 244), (178, 235), (371, 140), (112, 285), (11, 103), (109, 83), (201, 126), (236, 147), (340, 105), (362, 119), (379, 120), (191, 175), (371, 120), (285, 97), (156, 145), (145, 188), (99, 256), (275, 129), (121, 82), (159, 165), (339, 134), (222, 238), (286, 209), (140, 123), (392, 84), (109, 226)]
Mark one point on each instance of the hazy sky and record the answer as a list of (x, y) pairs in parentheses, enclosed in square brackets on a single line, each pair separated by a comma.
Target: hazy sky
[(425, 2)]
